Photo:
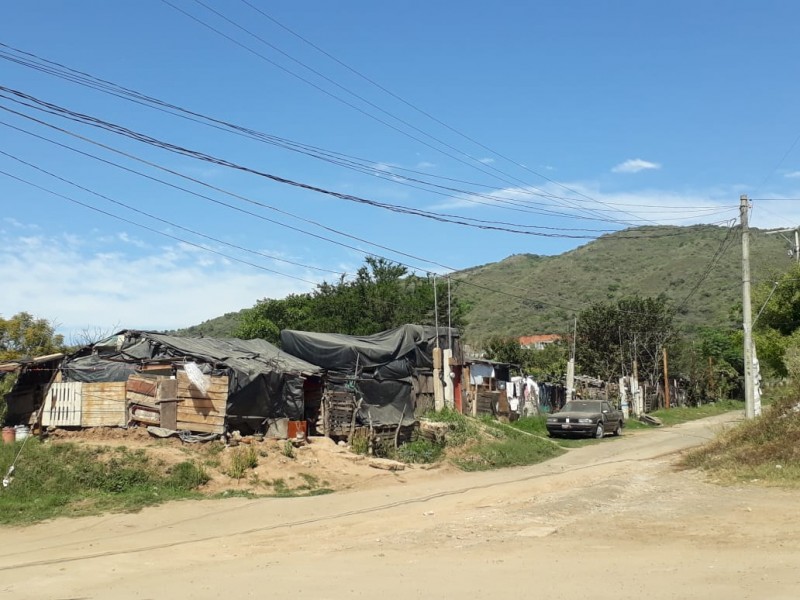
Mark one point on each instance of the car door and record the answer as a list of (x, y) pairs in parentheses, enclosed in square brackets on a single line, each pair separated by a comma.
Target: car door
[(608, 416)]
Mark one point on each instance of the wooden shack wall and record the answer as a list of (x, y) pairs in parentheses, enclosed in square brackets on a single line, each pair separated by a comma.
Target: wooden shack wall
[(202, 412), (103, 405)]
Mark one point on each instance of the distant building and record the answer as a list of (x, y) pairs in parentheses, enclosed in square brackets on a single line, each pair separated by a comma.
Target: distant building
[(538, 342)]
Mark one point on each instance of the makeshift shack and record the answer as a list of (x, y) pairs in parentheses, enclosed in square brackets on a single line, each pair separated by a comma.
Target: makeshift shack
[(381, 381), (204, 385)]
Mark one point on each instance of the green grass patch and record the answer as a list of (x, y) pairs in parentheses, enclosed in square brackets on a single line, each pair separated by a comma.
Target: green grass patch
[(242, 459), (510, 451), (488, 444), (419, 451), (682, 414), (766, 448), (53, 480)]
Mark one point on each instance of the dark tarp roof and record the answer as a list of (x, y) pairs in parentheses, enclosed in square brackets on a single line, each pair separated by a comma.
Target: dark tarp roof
[(412, 344), (380, 366), (264, 381)]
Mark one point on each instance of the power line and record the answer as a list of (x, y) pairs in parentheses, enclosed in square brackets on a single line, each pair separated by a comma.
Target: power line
[(57, 110), (166, 222), (364, 166), (373, 167), (151, 229), (473, 164)]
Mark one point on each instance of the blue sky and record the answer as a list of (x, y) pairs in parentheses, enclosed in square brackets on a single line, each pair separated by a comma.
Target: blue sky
[(575, 117)]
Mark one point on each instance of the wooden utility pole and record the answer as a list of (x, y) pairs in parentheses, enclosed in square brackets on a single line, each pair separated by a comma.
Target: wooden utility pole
[(666, 381), (747, 311)]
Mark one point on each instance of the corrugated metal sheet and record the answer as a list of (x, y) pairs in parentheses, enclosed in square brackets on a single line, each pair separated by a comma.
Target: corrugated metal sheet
[(62, 407)]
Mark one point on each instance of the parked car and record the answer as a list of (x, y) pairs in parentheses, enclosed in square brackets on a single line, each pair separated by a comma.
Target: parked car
[(586, 417)]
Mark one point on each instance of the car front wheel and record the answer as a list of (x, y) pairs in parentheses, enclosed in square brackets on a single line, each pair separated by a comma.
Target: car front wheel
[(618, 430), (598, 433)]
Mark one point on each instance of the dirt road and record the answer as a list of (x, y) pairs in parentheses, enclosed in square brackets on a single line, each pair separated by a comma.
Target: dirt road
[(613, 520)]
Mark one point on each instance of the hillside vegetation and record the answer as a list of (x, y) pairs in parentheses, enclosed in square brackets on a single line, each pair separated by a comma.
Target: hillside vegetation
[(647, 260)]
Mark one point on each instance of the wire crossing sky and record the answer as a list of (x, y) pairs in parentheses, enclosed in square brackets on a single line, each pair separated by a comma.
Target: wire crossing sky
[(166, 161)]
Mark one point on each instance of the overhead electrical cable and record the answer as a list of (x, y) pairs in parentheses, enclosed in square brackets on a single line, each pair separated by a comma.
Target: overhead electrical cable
[(170, 223), (153, 230), (413, 106), (233, 195), (475, 164), (56, 69), (720, 252), (366, 166), (54, 109)]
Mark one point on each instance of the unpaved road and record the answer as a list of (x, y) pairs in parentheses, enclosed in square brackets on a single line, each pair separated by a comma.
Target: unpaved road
[(613, 520)]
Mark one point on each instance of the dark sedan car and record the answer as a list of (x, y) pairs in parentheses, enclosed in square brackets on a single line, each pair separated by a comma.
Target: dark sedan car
[(586, 417)]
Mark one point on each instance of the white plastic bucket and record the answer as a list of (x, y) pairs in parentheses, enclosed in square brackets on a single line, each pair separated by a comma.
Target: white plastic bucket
[(22, 432)]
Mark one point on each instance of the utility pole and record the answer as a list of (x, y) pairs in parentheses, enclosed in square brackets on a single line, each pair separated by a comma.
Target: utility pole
[(747, 311), (666, 381), (571, 364)]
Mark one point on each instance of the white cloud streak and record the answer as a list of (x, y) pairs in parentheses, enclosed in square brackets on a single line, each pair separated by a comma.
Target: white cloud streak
[(68, 281), (634, 165)]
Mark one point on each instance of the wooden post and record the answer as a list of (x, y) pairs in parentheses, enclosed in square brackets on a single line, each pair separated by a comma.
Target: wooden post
[(666, 381), (167, 401)]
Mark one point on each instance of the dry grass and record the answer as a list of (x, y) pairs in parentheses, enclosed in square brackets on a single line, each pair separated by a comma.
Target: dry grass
[(765, 449)]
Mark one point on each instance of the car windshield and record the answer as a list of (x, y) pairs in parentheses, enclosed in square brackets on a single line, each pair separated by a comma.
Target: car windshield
[(578, 406)]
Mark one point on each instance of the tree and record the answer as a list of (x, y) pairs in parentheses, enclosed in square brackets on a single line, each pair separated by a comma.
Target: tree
[(504, 349), (23, 336), (611, 334), (547, 364), (381, 296)]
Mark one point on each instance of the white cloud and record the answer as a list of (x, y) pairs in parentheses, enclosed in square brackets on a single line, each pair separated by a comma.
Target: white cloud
[(486, 161), (425, 165), (599, 209), (62, 279), (792, 175), (634, 165)]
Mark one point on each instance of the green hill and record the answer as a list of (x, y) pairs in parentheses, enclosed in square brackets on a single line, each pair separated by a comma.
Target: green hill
[(648, 261), (526, 293)]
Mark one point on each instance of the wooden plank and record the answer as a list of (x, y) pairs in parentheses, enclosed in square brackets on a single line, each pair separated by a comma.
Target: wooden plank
[(103, 404), (166, 397), (215, 384), (204, 404), (201, 428), (142, 385), (192, 417), (191, 392), (134, 398)]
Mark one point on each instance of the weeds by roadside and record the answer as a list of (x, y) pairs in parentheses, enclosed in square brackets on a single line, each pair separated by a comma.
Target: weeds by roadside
[(765, 449), (68, 480)]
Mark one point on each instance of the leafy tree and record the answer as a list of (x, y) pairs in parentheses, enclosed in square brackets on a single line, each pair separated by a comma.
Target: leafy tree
[(549, 363), (611, 334), (25, 336), (504, 349), (381, 296), (777, 327)]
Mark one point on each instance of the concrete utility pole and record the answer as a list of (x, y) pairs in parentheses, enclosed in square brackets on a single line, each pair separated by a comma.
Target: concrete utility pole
[(747, 311), (666, 380)]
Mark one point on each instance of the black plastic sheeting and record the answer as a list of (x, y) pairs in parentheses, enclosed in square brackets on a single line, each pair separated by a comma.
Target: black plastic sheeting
[(264, 382), (391, 354), (94, 369), (380, 366)]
